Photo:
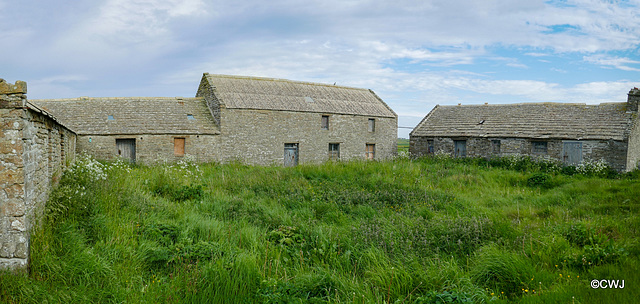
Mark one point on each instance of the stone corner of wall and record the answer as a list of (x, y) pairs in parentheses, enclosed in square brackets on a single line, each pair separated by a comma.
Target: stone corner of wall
[(12, 95), (6, 88)]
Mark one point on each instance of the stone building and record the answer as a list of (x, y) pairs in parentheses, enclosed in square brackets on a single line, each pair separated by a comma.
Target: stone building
[(34, 150), (276, 121), (254, 120), (142, 129), (571, 133)]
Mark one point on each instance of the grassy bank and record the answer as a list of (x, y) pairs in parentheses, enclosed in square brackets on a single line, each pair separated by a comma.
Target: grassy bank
[(403, 231)]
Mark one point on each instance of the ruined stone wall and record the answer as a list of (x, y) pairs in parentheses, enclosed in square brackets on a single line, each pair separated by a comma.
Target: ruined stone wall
[(152, 149), (258, 136), (613, 152), (34, 149)]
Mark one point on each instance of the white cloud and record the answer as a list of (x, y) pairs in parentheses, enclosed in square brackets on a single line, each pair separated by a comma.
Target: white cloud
[(614, 62)]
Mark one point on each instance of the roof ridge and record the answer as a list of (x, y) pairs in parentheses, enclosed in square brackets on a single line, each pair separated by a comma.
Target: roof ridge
[(116, 98), (537, 103), (284, 80)]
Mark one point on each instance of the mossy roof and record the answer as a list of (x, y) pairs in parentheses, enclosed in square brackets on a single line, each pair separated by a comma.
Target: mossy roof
[(242, 92), (132, 115), (528, 120)]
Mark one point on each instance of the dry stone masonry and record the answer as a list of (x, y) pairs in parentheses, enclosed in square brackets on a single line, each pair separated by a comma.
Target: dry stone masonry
[(34, 149)]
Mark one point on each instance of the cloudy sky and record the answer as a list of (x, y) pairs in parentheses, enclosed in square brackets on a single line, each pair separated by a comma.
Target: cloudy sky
[(413, 53)]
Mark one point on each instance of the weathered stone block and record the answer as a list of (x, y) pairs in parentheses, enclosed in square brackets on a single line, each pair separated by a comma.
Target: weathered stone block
[(20, 87), (18, 224), (7, 249), (22, 248)]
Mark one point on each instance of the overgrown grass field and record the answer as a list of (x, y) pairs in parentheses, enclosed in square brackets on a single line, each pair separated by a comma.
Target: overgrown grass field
[(431, 230)]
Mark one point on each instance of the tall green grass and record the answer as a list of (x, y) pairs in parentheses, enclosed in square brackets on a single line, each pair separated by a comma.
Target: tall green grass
[(431, 230)]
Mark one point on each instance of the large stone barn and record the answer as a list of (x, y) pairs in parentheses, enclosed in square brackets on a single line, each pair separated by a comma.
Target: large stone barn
[(253, 120), (571, 133), (276, 121)]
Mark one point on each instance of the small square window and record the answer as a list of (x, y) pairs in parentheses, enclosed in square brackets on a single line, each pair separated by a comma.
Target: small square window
[(325, 122), (110, 117), (539, 147), (334, 151), (372, 125), (190, 117)]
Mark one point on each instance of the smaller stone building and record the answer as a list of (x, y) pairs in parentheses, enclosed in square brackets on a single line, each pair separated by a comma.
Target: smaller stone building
[(139, 129), (571, 133)]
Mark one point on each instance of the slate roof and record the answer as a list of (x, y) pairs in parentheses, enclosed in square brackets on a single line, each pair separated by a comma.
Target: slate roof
[(242, 92), (131, 115), (34, 107), (528, 120)]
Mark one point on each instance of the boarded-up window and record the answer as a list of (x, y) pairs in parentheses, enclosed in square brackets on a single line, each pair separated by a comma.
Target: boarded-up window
[(334, 151), (372, 125), (370, 152), (325, 122), (178, 146), (539, 147)]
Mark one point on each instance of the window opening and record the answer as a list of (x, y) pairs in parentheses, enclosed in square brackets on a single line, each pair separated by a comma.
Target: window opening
[(334, 151), (325, 122), (370, 152), (539, 147)]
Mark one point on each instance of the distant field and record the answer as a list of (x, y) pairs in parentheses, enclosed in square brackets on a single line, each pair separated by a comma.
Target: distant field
[(403, 145), (431, 230)]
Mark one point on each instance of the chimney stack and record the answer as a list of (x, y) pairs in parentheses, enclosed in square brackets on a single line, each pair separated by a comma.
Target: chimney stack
[(633, 100)]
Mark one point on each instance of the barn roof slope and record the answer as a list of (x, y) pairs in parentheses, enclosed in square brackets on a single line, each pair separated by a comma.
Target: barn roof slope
[(528, 120), (242, 92), (132, 115)]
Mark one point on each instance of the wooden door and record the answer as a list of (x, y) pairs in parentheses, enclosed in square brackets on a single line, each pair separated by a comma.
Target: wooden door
[(460, 147), (178, 146), (126, 149), (572, 153), (290, 155)]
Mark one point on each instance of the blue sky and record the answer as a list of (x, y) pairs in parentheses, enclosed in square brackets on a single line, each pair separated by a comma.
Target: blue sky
[(414, 54)]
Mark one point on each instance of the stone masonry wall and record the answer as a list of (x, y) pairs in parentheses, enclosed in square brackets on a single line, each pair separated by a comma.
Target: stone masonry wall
[(151, 149), (258, 136), (633, 154), (613, 152), (34, 149), (205, 90)]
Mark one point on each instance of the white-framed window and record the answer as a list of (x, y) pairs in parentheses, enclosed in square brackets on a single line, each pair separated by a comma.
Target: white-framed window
[(334, 151)]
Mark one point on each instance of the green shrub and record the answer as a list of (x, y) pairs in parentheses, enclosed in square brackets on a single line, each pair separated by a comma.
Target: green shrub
[(502, 271), (444, 297), (180, 193), (539, 179)]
